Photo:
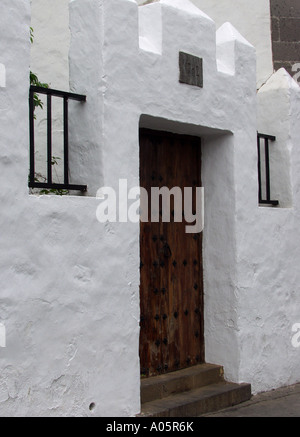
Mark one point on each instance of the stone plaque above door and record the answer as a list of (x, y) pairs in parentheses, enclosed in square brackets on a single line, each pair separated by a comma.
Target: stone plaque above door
[(191, 69)]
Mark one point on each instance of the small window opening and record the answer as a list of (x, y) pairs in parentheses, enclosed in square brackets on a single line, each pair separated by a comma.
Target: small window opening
[(264, 178), (48, 183)]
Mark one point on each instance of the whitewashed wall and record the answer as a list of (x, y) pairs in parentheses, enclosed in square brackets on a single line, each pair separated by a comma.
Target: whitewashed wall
[(253, 21), (133, 81), (50, 51), (69, 285), (270, 292), (49, 55), (59, 301), (51, 25)]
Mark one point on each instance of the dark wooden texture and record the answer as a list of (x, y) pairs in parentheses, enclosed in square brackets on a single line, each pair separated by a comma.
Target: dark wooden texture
[(191, 69), (171, 290)]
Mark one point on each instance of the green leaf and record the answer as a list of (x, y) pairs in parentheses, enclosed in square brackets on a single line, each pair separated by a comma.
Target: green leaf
[(31, 35), (54, 160)]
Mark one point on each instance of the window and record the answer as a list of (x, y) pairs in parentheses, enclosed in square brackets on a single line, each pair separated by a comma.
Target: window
[(264, 179), (48, 183)]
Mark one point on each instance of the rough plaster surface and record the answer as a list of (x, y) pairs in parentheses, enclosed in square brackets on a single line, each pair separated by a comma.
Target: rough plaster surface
[(253, 22), (239, 243), (274, 103), (53, 37), (59, 302), (137, 81), (49, 53), (70, 285), (269, 264)]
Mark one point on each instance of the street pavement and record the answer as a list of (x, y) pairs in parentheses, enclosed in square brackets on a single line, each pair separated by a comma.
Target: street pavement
[(283, 402)]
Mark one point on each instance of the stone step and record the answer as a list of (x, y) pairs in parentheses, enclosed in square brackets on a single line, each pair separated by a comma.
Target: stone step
[(162, 386), (196, 402)]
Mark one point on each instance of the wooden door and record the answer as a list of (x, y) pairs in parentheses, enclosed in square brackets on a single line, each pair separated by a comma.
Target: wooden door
[(171, 278)]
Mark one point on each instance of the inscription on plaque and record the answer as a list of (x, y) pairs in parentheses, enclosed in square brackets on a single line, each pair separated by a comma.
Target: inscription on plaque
[(191, 69)]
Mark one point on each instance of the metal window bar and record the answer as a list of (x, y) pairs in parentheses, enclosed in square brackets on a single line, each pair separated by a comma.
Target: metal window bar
[(66, 97), (267, 200)]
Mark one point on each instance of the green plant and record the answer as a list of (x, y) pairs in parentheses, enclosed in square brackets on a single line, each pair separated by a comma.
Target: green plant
[(31, 31), (35, 82), (56, 191)]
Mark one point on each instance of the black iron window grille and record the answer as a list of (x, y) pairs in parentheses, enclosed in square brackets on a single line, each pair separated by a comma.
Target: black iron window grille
[(49, 184), (264, 179)]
